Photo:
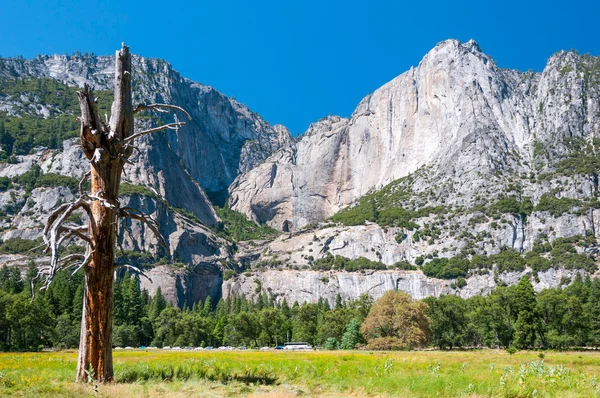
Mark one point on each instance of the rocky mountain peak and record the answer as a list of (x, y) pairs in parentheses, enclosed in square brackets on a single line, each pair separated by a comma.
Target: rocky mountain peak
[(457, 114), (328, 123)]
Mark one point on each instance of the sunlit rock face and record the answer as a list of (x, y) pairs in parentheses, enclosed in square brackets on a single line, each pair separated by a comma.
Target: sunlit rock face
[(469, 123), (466, 132), (176, 168)]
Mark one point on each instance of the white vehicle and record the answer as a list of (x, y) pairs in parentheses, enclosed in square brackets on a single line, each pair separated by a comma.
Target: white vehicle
[(297, 346)]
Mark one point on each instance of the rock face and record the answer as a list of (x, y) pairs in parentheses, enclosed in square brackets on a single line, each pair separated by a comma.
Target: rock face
[(175, 167), (311, 286), (470, 124), (456, 133), (271, 274), (209, 146)]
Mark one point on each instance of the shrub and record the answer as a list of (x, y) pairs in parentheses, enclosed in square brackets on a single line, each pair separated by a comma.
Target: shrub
[(19, 245), (237, 227), (556, 206)]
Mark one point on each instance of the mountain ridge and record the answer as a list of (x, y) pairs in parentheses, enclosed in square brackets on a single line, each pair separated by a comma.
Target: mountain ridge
[(452, 159)]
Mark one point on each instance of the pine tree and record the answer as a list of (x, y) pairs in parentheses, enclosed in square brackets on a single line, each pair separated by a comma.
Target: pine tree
[(527, 325), (207, 308), (158, 305), (15, 281), (592, 309), (352, 335)]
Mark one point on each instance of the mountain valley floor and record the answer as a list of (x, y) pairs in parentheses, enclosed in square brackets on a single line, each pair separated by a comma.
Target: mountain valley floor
[(158, 373)]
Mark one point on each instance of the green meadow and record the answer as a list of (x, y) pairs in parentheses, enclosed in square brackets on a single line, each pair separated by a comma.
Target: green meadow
[(156, 373)]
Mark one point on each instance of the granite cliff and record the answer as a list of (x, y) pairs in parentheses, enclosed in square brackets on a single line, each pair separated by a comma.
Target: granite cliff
[(454, 160), (463, 126), (171, 172)]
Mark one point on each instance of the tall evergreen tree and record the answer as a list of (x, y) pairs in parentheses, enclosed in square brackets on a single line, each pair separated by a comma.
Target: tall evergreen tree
[(527, 325)]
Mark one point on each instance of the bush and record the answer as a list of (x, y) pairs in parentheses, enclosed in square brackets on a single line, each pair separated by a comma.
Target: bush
[(342, 263), (387, 344), (5, 184), (331, 344), (130, 190), (19, 245), (445, 268), (405, 265), (237, 227), (228, 274), (556, 206), (56, 180)]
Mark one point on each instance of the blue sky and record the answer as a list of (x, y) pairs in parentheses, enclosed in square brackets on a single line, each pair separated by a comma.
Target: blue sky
[(294, 62)]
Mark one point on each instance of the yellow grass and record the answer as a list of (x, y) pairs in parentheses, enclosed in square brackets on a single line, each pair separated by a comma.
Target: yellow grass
[(156, 373)]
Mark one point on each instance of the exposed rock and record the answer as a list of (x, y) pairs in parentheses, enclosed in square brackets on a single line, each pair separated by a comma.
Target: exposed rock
[(461, 130), (311, 286), (464, 127), (223, 137), (185, 287)]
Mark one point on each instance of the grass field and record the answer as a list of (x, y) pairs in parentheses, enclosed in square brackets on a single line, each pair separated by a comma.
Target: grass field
[(486, 373)]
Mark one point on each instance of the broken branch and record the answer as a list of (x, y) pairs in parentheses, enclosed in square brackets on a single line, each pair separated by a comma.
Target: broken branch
[(134, 269), (129, 212), (163, 108), (170, 126)]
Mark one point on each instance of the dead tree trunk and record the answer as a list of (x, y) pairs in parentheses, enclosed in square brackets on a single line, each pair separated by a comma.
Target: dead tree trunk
[(103, 146), (107, 146)]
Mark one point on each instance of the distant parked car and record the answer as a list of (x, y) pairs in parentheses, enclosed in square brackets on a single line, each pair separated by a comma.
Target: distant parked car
[(210, 347), (279, 347), (198, 349), (264, 348), (166, 348), (242, 347), (176, 348)]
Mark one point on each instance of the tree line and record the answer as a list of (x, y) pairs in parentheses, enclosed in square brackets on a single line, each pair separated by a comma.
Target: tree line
[(513, 316)]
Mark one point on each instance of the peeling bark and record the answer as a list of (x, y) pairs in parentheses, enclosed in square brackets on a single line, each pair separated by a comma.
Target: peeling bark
[(103, 146), (107, 147)]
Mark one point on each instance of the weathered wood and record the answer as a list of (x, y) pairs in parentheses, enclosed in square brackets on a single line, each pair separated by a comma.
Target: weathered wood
[(106, 144), (95, 346)]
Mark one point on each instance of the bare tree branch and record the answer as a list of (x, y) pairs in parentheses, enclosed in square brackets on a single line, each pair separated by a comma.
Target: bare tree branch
[(102, 201), (170, 126), (163, 108), (83, 180), (68, 259), (78, 231), (134, 269), (86, 260), (130, 212), (55, 233)]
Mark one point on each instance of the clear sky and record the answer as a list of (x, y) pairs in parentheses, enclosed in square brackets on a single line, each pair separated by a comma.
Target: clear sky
[(291, 61)]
